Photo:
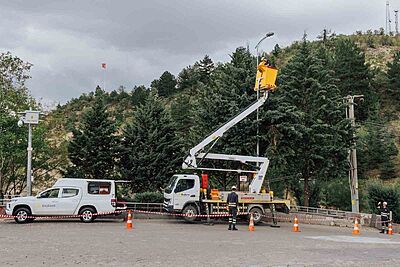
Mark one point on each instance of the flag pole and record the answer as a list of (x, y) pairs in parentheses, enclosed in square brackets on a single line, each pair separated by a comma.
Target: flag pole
[(104, 66)]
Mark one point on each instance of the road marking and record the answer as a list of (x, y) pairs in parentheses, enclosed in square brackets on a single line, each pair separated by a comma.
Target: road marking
[(355, 239)]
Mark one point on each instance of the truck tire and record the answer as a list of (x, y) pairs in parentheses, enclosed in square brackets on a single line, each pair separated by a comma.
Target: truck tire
[(257, 214), (22, 215), (189, 213), (87, 215)]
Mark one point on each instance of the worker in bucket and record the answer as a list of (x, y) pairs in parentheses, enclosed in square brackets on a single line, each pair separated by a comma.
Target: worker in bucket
[(384, 216), (233, 201)]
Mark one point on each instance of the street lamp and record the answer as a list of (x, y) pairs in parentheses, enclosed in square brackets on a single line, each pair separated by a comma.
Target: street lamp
[(30, 117), (268, 34)]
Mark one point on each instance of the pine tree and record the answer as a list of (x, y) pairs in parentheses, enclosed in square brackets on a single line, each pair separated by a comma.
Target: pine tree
[(139, 95), (377, 150), (393, 74), (165, 85), (150, 149), (313, 135), (354, 77), (92, 148), (182, 115), (206, 67)]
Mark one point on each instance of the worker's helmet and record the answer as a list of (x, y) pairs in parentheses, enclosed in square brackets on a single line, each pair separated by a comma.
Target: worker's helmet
[(384, 203), (233, 187)]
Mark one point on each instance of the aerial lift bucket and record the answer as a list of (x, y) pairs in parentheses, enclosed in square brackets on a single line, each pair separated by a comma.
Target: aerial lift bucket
[(266, 77)]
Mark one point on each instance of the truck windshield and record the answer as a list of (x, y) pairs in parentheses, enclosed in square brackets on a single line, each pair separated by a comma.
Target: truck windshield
[(171, 184)]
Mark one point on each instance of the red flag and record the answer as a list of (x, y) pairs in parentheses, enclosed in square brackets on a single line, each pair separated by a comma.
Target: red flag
[(103, 65)]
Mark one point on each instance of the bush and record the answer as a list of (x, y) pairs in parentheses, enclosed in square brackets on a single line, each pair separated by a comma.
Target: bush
[(336, 194), (149, 197), (379, 192)]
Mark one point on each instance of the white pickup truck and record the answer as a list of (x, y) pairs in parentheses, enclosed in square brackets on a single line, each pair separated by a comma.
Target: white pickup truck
[(68, 196)]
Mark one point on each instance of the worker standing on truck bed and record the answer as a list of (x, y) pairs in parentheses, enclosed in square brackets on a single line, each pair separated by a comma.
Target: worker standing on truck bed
[(232, 201)]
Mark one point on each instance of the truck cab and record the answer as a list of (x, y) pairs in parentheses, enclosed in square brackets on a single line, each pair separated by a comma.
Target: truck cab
[(182, 192), (68, 196)]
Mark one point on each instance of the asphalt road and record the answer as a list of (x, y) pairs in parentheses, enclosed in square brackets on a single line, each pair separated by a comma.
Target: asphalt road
[(174, 243)]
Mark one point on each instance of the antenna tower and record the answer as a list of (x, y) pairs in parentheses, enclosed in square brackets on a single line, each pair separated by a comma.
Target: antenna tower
[(388, 20)]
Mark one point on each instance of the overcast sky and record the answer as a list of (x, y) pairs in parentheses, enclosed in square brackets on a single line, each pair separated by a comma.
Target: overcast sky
[(68, 40)]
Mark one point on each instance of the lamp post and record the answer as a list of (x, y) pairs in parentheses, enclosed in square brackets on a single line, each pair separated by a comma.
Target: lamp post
[(29, 117), (269, 34)]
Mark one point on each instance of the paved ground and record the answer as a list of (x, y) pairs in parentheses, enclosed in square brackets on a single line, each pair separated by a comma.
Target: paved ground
[(174, 243)]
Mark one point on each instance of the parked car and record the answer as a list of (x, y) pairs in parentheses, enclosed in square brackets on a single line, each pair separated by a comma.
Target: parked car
[(68, 196)]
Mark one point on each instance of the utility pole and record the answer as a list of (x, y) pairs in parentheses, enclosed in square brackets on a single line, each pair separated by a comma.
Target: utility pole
[(396, 21), (353, 176), (29, 117), (269, 34)]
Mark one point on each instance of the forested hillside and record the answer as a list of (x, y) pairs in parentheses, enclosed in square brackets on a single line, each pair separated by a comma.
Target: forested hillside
[(142, 134)]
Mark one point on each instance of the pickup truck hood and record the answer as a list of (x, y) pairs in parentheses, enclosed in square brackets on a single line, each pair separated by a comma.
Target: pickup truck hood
[(23, 199)]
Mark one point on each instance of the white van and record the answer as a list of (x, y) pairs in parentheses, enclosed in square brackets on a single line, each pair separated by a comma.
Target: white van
[(68, 196)]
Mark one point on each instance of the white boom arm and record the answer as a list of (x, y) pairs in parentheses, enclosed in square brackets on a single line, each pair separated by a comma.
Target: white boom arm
[(191, 163)]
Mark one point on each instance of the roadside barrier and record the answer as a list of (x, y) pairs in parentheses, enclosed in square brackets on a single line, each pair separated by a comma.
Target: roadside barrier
[(63, 216)]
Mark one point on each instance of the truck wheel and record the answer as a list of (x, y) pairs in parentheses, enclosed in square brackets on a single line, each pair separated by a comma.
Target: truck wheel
[(257, 214), (22, 215), (190, 212), (87, 215)]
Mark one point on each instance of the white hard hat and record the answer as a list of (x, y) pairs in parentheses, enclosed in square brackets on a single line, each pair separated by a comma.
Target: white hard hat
[(384, 203), (234, 187)]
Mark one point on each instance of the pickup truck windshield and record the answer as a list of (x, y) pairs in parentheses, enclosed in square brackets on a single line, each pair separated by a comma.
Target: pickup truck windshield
[(171, 184)]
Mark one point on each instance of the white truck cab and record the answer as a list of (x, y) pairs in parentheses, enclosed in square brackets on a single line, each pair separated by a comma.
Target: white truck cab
[(68, 196), (182, 190)]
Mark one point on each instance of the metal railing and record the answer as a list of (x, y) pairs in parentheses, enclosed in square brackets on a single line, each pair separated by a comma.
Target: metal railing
[(155, 207), (324, 212)]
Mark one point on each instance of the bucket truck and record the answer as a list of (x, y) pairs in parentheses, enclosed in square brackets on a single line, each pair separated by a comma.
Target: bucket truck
[(189, 194)]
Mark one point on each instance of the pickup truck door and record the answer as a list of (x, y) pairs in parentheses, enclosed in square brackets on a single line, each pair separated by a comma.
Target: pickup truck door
[(47, 203), (69, 200)]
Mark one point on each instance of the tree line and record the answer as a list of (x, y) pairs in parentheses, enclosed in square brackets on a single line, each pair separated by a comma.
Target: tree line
[(143, 135)]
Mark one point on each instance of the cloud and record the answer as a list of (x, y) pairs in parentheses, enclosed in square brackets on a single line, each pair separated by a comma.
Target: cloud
[(68, 40)]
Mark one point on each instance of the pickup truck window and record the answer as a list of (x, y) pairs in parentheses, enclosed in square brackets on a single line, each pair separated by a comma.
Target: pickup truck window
[(99, 188), (52, 193), (69, 192)]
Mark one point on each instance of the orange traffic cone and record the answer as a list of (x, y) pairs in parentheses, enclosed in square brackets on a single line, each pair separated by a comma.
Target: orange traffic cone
[(356, 230), (129, 223), (251, 223), (390, 230), (296, 224)]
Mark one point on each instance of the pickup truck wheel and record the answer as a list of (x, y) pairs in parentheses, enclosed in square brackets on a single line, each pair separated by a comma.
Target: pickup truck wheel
[(257, 214), (22, 215), (87, 215), (190, 212)]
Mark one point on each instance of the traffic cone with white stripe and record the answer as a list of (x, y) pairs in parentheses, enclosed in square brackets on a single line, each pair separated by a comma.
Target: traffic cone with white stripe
[(129, 223), (390, 230), (251, 223), (296, 224), (356, 230)]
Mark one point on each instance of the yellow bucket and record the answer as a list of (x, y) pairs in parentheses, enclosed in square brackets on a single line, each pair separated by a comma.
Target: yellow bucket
[(266, 76)]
